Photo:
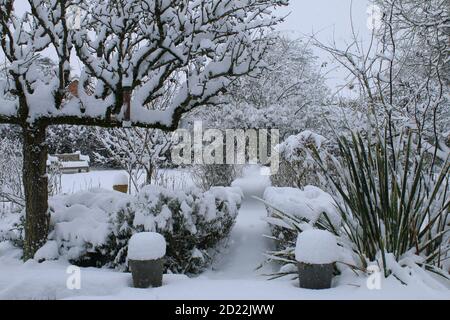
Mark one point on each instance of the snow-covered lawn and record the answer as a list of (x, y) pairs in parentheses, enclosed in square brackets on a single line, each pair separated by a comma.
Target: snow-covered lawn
[(71, 183), (232, 276)]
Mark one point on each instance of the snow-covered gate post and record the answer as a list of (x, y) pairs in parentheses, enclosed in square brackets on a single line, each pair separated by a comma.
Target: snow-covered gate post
[(138, 45)]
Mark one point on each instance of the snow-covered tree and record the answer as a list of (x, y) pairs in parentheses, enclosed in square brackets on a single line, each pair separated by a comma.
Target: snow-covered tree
[(402, 77), (129, 52), (139, 151), (290, 94)]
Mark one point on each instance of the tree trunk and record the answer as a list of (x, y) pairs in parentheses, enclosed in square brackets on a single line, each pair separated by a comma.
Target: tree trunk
[(36, 189), (149, 174)]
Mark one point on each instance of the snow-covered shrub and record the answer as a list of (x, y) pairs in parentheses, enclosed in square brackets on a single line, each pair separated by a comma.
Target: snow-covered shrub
[(391, 202), (206, 176), (292, 211), (12, 227), (93, 228), (11, 189), (297, 165), (193, 223)]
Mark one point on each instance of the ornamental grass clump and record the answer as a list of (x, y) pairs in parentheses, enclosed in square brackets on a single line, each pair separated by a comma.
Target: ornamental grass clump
[(392, 199)]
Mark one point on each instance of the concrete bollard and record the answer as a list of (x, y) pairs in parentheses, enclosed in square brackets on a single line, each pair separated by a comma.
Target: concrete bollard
[(315, 276), (147, 273), (316, 253), (146, 251)]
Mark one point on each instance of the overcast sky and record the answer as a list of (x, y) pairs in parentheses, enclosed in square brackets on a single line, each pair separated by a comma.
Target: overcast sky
[(326, 16), (329, 20)]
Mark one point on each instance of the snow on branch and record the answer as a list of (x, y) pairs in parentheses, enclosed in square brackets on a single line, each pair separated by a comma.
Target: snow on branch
[(127, 47)]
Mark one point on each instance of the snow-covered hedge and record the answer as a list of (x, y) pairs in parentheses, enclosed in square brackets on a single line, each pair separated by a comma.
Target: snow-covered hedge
[(92, 228)]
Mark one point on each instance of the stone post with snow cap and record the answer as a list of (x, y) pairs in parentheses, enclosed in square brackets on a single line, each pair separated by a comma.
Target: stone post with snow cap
[(146, 251), (316, 253)]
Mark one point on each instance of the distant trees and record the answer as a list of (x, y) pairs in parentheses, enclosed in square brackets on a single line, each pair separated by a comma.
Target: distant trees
[(402, 76), (290, 94)]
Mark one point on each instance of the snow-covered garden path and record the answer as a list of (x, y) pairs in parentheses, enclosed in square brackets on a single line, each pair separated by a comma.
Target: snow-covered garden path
[(246, 244)]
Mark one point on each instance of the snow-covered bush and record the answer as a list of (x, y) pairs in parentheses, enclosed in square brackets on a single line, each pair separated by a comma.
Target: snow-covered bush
[(297, 165), (193, 223), (11, 227), (206, 176), (392, 210), (93, 228), (292, 211), (11, 189), (391, 201)]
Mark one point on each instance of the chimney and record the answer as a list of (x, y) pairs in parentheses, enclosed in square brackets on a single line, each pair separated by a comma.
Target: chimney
[(73, 88)]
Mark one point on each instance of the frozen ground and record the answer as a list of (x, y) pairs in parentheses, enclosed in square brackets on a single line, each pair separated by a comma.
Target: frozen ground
[(232, 276)]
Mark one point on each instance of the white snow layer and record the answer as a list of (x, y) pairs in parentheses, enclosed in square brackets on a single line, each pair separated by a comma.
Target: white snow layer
[(48, 251), (120, 178), (253, 181), (82, 221), (146, 246), (316, 247), (48, 281), (291, 146), (308, 203)]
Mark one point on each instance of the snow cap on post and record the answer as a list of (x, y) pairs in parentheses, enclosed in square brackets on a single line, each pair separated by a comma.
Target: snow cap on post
[(146, 246), (120, 179), (316, 247)]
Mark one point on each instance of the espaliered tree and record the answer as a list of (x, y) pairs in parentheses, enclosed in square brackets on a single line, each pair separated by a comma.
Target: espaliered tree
[(129, 52)]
